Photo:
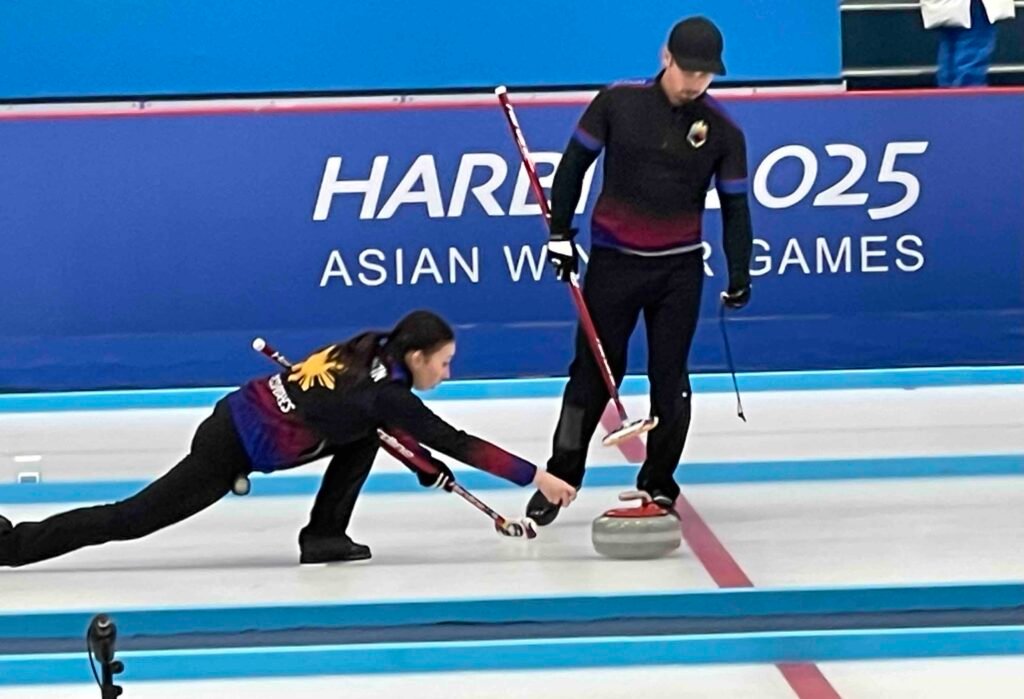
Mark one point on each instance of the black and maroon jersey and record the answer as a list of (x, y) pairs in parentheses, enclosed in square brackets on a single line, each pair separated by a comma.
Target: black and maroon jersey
[(343, 393), (659, 162)]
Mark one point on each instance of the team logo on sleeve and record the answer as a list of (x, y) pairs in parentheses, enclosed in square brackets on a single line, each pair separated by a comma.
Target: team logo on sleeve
[(317, 370), (378, 372), (698, 134), (284, 403)]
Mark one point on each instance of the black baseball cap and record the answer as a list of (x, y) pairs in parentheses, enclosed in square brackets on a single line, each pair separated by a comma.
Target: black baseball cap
[(696, 44)]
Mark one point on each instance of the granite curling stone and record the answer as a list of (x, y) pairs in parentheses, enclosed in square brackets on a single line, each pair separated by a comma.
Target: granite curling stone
[(636, 532)]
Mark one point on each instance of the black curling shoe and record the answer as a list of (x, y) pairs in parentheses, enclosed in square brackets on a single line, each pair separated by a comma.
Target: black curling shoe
[(540, 510), (331, 549)]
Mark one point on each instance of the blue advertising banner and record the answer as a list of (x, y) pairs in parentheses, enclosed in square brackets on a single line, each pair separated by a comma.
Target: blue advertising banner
[(78, 48), (146, 250)]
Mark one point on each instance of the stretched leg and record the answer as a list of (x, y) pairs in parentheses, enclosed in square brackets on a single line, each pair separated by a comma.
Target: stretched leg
[(324, 538), (671, 322), (199, 480)]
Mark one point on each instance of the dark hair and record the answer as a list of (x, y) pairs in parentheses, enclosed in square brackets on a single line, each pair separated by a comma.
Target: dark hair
[(419, 330)]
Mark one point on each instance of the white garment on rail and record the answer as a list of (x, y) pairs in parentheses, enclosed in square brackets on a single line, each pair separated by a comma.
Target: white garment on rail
[(957, 13)]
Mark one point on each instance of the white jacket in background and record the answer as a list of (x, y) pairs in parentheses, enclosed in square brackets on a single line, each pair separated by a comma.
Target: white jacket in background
[(957, 13)]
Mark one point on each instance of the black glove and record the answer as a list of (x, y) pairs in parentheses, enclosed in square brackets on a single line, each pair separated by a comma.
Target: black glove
[(562, 254), (441, 478), (736, 298)]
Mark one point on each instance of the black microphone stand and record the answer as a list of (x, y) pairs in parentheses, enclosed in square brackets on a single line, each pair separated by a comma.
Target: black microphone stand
[(109, 690), (100, 639)]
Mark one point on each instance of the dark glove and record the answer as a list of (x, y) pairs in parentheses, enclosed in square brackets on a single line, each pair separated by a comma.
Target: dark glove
[(736, 298), (562, 254), (441, 478)]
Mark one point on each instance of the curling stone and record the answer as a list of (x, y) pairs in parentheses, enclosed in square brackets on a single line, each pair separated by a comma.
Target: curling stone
[(648, 531)]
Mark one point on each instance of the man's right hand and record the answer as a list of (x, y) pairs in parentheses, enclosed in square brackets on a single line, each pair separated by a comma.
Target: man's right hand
[(554, 489), (562, 255)]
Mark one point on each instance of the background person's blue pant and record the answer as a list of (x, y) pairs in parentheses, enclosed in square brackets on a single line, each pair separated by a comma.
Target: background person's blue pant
[(965, 54)]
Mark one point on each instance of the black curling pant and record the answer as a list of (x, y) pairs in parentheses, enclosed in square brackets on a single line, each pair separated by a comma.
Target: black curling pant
[(340, 487), (618, 288), (202, 478)]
